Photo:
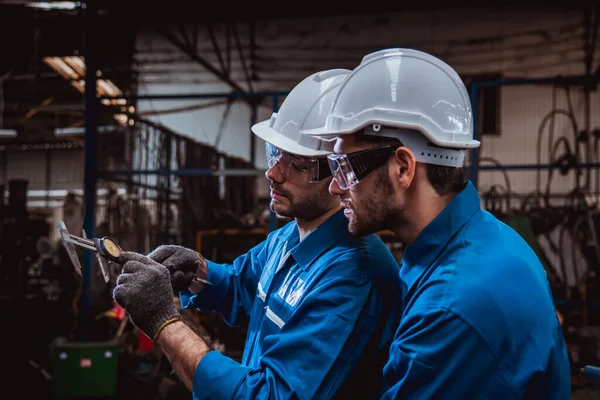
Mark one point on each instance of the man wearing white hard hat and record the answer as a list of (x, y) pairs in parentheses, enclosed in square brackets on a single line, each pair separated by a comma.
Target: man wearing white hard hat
[(322, 303), (478, 319)]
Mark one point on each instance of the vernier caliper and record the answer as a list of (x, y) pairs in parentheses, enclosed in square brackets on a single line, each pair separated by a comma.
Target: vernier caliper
[(106, 249)]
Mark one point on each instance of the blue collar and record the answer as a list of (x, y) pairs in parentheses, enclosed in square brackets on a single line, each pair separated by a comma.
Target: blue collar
[(320, 240), (432, 240)]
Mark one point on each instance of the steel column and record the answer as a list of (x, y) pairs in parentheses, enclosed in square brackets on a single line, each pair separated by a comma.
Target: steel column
[(90, 165)]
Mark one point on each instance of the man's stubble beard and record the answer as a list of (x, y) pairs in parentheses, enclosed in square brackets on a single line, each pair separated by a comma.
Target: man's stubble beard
[(377, 212), (304, 207)]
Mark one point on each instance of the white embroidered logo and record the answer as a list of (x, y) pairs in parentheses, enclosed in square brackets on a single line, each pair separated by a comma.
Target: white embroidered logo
[(295, 293)]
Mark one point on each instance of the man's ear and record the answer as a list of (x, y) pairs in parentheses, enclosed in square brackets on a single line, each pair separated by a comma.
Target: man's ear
[(405, 166)]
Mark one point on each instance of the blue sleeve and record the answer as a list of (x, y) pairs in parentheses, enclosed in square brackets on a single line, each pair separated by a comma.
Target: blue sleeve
[(436, 354), (313, 353), (233, 286)]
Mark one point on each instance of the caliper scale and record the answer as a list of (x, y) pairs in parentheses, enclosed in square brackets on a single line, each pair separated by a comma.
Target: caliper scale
[(106, 249)]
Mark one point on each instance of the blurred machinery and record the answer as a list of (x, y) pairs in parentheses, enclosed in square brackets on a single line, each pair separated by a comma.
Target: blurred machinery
[(565, 237), (562, 227), (40, 293), (23, 239), (36, 287)]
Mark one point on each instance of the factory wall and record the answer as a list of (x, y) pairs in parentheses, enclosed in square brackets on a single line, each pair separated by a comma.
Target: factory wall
[(518, 43), (515, 43)]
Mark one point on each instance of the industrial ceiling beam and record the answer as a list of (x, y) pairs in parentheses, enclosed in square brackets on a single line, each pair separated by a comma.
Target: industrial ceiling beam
[(242, 56), (196, 57), (217, 48)]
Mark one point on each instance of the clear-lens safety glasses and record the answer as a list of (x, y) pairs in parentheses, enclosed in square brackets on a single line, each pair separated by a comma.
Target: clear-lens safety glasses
[(297, 169), (349, 169)]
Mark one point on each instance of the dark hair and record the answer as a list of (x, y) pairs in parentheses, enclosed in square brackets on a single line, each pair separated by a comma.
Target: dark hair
[(444, 180)]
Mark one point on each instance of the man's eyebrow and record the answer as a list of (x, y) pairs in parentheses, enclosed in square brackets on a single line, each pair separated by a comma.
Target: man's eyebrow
[(297, 157)]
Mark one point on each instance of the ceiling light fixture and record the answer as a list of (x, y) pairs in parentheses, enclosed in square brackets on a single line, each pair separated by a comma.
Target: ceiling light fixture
[(72, 68), (54, 5)]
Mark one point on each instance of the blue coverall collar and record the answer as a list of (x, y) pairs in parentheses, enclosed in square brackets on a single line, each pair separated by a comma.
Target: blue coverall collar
[(319, 240), (439, 232)]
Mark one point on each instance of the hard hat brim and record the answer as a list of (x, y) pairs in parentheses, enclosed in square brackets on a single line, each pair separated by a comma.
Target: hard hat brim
[(270, 135)]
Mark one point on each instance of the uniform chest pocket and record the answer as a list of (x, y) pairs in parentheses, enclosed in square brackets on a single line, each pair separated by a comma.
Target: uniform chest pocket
[(277, 314)]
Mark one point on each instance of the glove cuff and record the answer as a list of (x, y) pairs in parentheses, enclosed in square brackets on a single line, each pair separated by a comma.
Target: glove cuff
[(160, 320), (168, 322)]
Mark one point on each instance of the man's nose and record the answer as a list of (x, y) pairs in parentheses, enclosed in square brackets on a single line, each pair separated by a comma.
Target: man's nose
[(274, 173), (335, 189)]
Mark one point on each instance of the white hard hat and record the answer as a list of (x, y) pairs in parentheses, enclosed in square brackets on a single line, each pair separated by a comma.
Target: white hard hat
[(305, 108), (405, 89)]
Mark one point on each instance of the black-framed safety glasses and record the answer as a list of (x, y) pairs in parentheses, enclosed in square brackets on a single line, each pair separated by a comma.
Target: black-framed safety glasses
[(349, 169), (297, 169)]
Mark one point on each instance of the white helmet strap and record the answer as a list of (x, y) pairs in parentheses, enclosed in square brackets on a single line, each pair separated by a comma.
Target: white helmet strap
[(425, 151)]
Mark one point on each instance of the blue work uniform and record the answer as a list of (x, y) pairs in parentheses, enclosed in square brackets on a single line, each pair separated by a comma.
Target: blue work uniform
[(323, 312), (479, 320)]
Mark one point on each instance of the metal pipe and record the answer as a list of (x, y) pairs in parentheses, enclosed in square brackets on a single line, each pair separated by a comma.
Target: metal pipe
[(571, 80), (184, 96), (185, 172), (258, 171), (588, 166)]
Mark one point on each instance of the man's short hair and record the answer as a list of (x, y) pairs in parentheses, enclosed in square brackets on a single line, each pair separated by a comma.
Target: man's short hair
[(444, 180)]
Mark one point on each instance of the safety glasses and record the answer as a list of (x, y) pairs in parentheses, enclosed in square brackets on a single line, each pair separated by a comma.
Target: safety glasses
[(349, 169), (297, 169)]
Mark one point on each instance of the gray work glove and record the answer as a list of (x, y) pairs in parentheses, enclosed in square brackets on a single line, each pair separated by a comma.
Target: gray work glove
[(182, 263), (144, 290)]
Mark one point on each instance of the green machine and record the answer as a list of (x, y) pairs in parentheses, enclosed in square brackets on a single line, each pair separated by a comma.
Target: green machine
[(522, 224), (84, 369)]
